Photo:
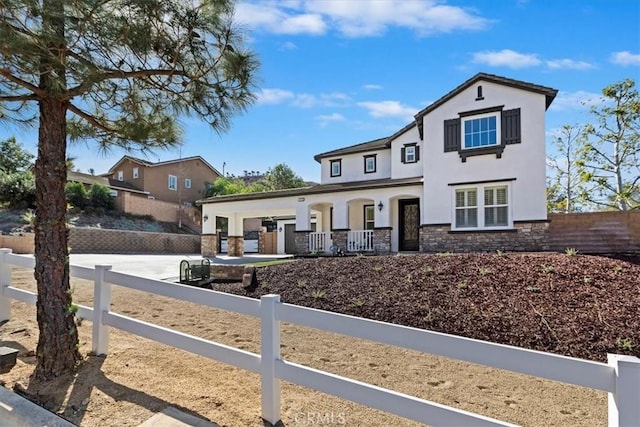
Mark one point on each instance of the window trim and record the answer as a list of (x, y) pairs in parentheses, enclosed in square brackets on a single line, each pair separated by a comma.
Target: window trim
[(375, 161), (187, 183), (331, 163), (120, 175), (480, 205), (491, 147), (416, 153), (364, 217), (135, 173), (175, 185)]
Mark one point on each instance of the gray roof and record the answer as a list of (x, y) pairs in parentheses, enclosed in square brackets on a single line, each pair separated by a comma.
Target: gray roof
[(318, 189), (148, 163), (101, 180), (376, 144)]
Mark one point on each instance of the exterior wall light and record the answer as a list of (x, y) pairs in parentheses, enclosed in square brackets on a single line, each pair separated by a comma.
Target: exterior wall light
[(380, 206), (205, 217)]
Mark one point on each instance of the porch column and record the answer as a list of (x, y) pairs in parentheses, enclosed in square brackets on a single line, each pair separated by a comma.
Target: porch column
[(382, 240), (209, 238), (303, 215), (340, 225), (235, 239), (302, 241)]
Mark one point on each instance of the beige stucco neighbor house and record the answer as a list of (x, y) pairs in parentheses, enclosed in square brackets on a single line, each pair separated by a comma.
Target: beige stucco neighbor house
[(467, 174), (180, 181)]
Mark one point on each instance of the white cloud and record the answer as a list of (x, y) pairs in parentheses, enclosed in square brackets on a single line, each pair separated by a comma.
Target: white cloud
[(326, 119), (578, 100), (380, 109), (372, 87), (569, 64), (274, 96), (360, 18), (288, 46), (275, 18), (506, 58), (625, 58)]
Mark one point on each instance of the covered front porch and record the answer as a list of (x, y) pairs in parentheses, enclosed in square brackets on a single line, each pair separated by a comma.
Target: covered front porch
[(381, 219)]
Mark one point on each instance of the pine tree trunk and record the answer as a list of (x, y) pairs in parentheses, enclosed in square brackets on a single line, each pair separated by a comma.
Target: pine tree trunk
[(57, 352)]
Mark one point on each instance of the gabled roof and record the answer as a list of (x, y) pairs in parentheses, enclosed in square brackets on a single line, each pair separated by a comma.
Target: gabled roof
[(376, 144), (400, 132), (548, 92), (147, 163)]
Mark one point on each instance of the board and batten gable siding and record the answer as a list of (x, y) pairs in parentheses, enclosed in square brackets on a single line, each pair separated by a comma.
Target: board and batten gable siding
[(353, 167), (524, 161), (406, 170)]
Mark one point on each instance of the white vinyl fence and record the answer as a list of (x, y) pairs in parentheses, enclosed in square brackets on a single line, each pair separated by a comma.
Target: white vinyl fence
[(360, 241), (320, 241), (620, 377)]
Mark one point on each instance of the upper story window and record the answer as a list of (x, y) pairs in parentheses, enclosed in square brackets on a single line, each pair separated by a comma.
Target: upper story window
[(410, 153), (187, 183), (368, 220), (120, 176), (336, 167), (173, 182), (370, 163), (135, 173), (480, 132)]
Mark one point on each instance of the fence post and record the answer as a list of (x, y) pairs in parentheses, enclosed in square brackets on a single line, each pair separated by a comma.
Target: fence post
[(5, 281), (624, 404), (270, 343), (101, 304)]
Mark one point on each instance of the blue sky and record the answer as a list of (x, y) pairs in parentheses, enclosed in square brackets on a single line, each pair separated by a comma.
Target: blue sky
[(337, 73)]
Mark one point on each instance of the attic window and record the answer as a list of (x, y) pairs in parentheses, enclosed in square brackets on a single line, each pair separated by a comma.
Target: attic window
[(479, 97)]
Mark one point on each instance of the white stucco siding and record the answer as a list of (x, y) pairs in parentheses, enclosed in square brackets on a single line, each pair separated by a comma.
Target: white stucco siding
[(525, 161), (406, 170), (353, 167)]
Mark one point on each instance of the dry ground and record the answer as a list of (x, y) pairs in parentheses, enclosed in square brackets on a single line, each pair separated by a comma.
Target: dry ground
[(139, 377)]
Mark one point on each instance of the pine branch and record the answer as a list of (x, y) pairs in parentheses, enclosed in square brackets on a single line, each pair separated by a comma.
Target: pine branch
[(19, 98), (92, 120), (25, 84)]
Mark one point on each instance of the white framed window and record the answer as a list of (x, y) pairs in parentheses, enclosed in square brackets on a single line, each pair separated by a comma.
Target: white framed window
[(173, 182), (482, 206), (368, 220), (187, 183), (410, 154), (370, 163), (113, 193), (480, 131), (466, 208), (136, 173), (120, 176), (336, 167)]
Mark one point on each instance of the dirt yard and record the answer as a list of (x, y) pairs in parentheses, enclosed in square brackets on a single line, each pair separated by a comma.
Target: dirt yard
[(139, 377)]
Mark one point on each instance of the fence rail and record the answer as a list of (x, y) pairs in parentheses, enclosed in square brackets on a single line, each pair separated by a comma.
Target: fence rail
[(319, 241), (360, 241), (620, 377)]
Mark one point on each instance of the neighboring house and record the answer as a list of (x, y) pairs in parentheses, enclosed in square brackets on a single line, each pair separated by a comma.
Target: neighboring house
[(115, 186), (467, 174), (180, 181)]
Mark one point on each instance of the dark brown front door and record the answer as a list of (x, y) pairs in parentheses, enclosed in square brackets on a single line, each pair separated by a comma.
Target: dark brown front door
[(409, 218)]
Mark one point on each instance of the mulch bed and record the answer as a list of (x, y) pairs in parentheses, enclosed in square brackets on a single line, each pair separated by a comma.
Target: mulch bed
[(581, 306)]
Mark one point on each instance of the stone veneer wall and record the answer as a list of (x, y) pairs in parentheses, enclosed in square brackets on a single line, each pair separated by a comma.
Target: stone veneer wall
[(102, 241), (235, 245), (209, 245), (526, 236), (302, 241), (382, 240), (339, 238)]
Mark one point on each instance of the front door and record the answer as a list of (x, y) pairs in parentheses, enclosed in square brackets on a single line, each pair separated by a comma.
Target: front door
[(409, 222)]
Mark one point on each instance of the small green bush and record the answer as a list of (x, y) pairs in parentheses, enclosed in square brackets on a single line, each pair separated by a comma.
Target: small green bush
[(76, 195), (100, 197)]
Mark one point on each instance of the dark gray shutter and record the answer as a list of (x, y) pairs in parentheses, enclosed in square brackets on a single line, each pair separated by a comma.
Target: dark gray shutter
[(511, 127), (402, 156), (451, 135), (417, 153)]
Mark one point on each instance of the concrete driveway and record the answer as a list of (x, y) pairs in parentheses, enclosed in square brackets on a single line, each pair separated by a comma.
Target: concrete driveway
[(164, 267)]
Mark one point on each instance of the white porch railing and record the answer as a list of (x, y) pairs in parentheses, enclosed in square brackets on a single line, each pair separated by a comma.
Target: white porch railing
[(319, 241), (360, 241), (620, 377)]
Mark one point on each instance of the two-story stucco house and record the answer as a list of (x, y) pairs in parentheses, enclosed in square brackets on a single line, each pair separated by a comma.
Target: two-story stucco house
[(467, 174), (180, 181)]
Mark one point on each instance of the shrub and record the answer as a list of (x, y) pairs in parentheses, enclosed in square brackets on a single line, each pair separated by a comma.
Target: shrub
[(76, 195), (100, 197), (18, 189)]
